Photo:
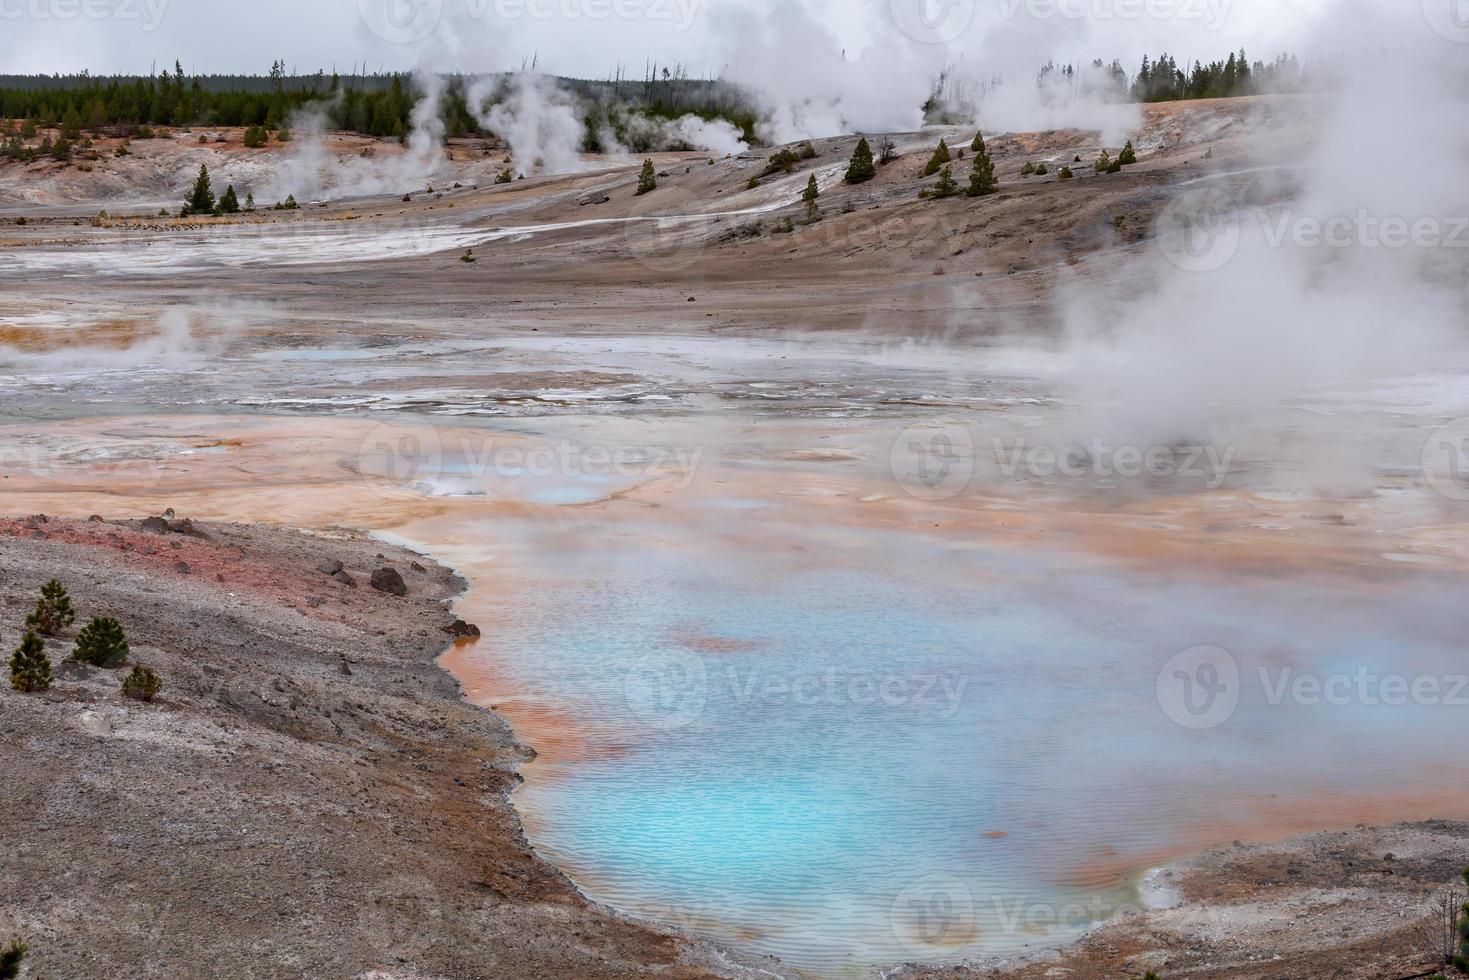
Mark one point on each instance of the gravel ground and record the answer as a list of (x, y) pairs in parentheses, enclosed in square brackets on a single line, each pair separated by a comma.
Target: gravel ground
[(308, 797), (1352, 905)]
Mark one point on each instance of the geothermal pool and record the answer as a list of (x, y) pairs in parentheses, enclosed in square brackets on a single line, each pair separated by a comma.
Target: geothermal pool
[(784, 701), (850, 748)]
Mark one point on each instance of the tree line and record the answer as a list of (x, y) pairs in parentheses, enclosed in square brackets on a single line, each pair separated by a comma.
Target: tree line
[(380, 105), (373, 105)]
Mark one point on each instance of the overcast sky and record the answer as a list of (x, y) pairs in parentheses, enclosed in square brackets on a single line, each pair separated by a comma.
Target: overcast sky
[(590, 37)]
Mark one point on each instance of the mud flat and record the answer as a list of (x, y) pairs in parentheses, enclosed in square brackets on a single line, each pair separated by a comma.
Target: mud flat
[(309, 796)]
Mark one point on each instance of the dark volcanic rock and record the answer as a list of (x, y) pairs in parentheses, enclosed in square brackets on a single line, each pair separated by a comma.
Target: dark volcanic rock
[(346, 579), (388, 580), (329, 567), (460, 628), (157, 525)]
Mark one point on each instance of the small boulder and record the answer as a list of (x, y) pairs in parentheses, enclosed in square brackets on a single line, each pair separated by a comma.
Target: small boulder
[(154, 525), (346, 580), (186, 527), (460, 629), (416, 566), (95, 519), (182, 567), (329, 567), (388, 580)]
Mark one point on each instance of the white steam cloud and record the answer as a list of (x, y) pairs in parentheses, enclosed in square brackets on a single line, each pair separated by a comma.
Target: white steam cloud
[(311, 170), (539, 120), (1251, 322)]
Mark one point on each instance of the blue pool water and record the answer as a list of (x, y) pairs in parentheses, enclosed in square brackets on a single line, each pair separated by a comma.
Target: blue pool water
[(859, 748)]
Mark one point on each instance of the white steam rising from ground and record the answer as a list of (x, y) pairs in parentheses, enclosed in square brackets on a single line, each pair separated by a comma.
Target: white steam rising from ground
[(1084, 102), (311, 170), (1238, 328), (539, 120), (182, 338), (807, 85)]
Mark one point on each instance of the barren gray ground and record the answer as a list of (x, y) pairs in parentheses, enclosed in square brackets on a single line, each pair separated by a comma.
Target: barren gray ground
[(309, 796)]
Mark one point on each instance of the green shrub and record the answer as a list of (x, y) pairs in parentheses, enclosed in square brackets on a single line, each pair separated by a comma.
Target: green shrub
[(141, 684), (754, 183), (30, 668), (1041, 170), (1028, 169), (505, 176), (1065, 174), (10, 958), (936, 162), (1104, 163), (1128, 155), (53, 611), (102, 643), (945, 187), (255, 137), (647, 179)]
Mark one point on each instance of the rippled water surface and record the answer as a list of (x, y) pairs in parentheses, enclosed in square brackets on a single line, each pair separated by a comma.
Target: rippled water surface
[(855, 748)]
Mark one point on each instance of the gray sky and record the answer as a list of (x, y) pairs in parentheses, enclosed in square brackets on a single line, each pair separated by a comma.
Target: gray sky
[(590, 37)]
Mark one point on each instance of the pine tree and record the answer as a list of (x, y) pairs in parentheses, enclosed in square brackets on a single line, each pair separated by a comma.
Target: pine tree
[(101, 643), (982, 178), (809, 195), (30, 668), (978, 145), (940, 157), (53, 611), (201, 198), (1028, 169), (946, 186), (647, 179), (249, 202), (1104, 163), (228, 202), (1128, 154), (141, 685), (10, 959), (861, 169)]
